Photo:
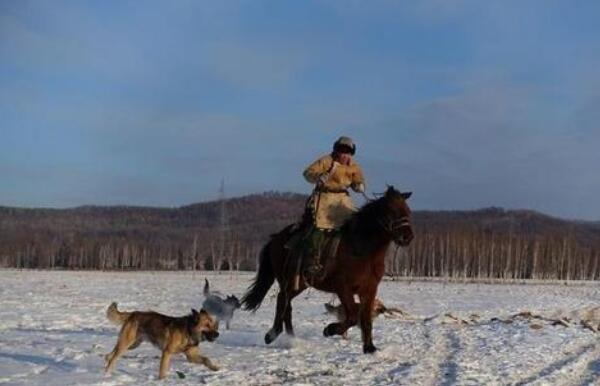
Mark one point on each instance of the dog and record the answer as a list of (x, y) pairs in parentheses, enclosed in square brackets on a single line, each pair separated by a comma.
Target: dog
[(340, 313), (170, 334), (219, 308)]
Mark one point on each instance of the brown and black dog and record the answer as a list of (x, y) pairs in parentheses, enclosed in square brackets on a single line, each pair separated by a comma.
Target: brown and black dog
[(340, 313), (170, 334)]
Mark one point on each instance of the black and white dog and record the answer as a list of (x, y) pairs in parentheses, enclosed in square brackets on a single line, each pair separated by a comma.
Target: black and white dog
[(221, 309)]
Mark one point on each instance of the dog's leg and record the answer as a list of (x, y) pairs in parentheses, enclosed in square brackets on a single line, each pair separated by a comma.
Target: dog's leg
[(227, 323), (135, 344), (111, 359), (127, 337), (108, 358), (193, 356), (165, 361)]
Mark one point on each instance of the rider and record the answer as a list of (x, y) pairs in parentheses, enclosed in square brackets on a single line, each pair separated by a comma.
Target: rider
[(332, 175)]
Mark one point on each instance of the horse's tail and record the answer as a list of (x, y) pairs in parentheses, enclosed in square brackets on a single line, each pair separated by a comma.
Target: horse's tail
[(264, 280)]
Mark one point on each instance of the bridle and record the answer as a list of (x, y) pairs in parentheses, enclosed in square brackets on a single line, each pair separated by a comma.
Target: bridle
[(393, 227)]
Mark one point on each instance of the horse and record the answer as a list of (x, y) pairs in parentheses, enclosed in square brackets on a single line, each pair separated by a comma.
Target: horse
[(356, 268)]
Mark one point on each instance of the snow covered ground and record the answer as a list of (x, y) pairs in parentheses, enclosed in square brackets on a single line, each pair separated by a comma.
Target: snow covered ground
[(53, 331)]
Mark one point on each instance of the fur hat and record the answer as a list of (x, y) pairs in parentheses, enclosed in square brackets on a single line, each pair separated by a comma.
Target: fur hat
[(344, 143)]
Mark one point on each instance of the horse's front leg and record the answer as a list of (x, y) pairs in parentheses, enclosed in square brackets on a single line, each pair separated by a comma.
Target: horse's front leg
[(351, 309), (367, 300)]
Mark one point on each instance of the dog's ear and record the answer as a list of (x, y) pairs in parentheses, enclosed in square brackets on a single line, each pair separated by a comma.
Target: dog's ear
[(195, 315)]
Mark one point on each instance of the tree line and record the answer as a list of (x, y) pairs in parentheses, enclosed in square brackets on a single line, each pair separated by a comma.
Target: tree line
[(488, 243)]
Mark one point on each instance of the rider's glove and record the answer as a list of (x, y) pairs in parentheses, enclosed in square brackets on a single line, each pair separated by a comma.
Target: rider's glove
[(322, 179), (359, 188)]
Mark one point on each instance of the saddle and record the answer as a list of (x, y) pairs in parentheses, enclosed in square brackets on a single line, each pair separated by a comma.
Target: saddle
[(330, 246), (299, 237)]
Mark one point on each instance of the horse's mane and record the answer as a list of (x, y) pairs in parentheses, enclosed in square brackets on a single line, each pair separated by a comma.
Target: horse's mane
[(366, 227), (366, 220)]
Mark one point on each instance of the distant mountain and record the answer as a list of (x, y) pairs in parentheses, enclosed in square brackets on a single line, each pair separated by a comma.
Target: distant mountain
[(489, 242), (522, 222), (110, 237)]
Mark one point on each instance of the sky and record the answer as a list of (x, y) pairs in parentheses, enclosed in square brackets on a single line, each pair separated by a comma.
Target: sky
[(467, 104)]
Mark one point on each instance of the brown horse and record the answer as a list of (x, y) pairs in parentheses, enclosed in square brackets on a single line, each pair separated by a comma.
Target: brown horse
[(357, 268)]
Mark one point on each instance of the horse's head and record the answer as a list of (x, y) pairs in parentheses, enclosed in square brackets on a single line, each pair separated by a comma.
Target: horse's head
[(397, 219)]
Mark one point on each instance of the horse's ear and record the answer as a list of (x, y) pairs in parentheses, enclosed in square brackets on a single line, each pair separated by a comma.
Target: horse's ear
[(390, 189), (406, 195)]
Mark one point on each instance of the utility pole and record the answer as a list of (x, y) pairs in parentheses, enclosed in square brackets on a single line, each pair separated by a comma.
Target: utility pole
[(223, 226)]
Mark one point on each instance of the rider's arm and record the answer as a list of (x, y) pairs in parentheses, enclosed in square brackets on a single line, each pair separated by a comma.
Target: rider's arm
[(317, 169), (358, 179)]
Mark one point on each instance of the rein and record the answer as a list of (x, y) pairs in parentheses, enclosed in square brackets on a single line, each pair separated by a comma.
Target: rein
[(367, 197)]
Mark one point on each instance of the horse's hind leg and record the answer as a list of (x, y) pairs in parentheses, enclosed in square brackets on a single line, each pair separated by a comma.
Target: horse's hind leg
[(287, 316), (282, 302), (287, 319), (351, 309)]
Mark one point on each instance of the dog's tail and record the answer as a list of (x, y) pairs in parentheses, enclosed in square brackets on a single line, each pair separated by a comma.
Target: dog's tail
[(264, 280), (116, 316), (206, 287)]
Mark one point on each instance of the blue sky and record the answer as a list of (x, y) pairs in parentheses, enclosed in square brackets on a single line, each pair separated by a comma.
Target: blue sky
[(466, 103)]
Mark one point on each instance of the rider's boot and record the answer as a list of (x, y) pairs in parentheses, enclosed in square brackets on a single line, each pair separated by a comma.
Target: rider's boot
[(313, 267)]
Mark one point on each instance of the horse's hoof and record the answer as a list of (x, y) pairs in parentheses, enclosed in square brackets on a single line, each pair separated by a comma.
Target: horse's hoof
[(329, 330), (268, 339), (369, 348), (271, 336)]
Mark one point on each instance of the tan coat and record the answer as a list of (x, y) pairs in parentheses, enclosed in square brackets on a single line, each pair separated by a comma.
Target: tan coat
[(333, 208)]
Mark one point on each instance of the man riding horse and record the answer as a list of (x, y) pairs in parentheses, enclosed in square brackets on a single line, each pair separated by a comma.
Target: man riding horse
[(330, 204), (356, 258)]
